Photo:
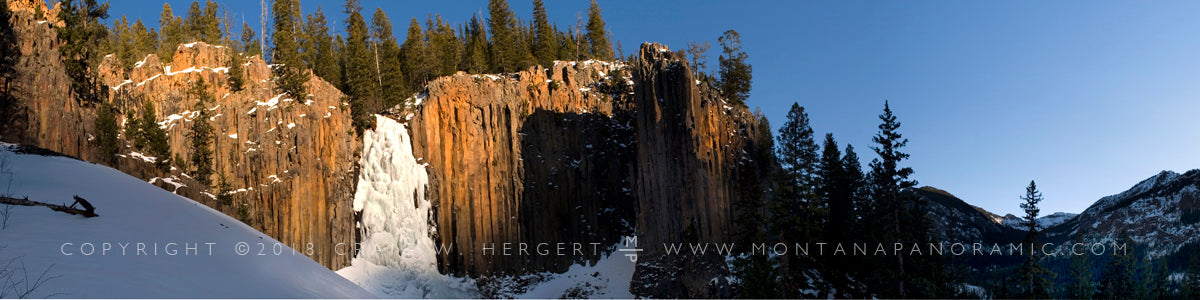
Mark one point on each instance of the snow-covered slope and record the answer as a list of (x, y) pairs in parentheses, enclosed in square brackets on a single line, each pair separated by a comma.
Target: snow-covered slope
[(1162, 213), (100, 258)]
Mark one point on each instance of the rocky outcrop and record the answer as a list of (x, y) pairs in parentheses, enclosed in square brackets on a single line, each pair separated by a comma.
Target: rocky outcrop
[(46, 113), (537, 157), (37, 9), (692, 149), (580, 153), (289, 162)]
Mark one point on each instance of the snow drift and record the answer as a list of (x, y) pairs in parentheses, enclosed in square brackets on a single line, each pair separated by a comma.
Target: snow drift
[(127, 251)]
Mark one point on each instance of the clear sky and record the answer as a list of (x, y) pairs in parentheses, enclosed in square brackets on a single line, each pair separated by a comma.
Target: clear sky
[(1085, 97)]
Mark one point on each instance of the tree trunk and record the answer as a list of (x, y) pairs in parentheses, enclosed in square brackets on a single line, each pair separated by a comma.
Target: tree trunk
[(55, 207)]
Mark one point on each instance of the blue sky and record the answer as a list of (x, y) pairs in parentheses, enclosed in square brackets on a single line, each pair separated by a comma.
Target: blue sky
[(1086, 98)]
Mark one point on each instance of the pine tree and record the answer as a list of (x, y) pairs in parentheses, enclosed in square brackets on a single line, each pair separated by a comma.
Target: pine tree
[(833, 188), (893, 208), (193, 23), (1080, 286), (503, 44), (855, 189), (249, 41), (359, 71), (794, 215), (180, 163), (526, 39), (395, 60), (224, 192), (1158, 284), (201, 135), (597, 36), (236, 74), (415, 57), (1032, 277), (339, 46), (524, 46), (145, 39), (854, 192), (210, 24), (291, 75), (156, 137), (107, 142), (756, 270), (475, 54), (546, 48), (736, 73), (171, 32), (121, 41), (699, 59), (621, 52), (445, 49), (1190, 282), (566, 46), (133, 130), (1118, 281), (82, 40), (757, 274), (323, 60)]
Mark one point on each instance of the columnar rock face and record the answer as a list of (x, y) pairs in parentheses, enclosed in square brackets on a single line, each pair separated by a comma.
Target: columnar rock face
[(578, 153), (537, 157), (693, 147), (46, 114), (288, 160)]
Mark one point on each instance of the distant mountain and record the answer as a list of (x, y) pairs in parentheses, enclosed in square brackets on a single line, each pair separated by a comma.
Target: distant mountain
[(1048, 221), (956, 221), (1161, 214)]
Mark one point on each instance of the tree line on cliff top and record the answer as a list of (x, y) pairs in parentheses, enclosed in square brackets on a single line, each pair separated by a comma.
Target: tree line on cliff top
[(374, 69)]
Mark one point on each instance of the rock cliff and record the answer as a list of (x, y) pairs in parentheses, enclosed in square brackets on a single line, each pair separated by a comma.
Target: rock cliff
[(536, 157), (289, 162), (46, 113), (582, 153), (693, 150)]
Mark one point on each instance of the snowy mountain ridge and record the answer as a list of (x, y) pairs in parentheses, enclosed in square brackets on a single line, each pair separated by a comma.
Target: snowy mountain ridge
[(1043, 222), (1160, 179), (1161, 213)]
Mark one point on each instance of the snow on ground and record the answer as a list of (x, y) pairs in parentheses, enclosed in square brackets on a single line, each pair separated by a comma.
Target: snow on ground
[(398, 259), (608, 278), (100, 257), (143, 157)]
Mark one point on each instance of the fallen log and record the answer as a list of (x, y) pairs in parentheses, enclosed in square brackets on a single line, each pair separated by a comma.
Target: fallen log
[(91, 212)]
